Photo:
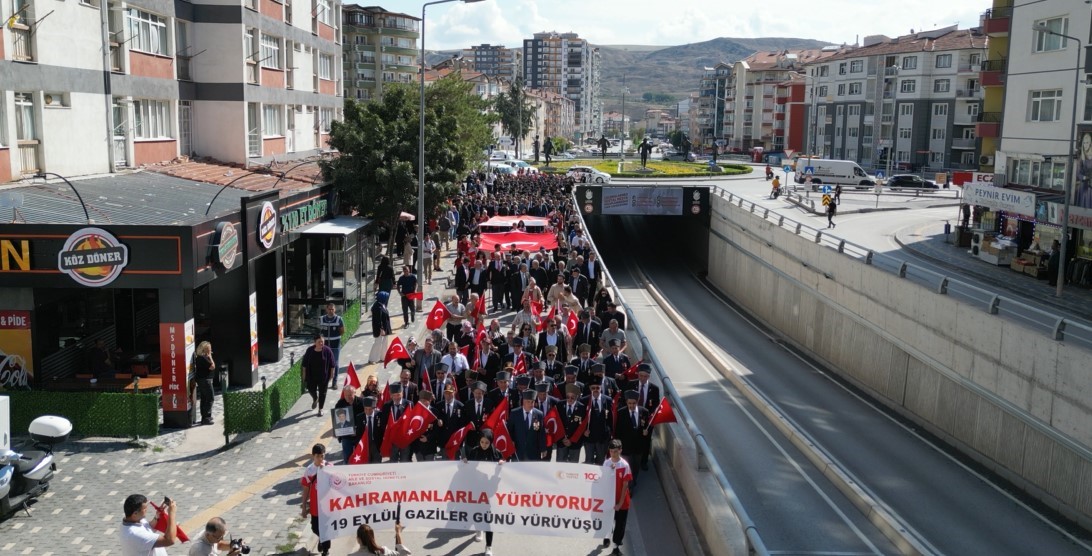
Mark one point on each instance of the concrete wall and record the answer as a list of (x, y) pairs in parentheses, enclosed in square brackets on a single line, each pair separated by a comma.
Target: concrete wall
[(1011, 397)]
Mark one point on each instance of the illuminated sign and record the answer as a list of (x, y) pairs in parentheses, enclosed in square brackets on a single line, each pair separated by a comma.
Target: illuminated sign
[(93, 257), (227, 244), (267, 225)]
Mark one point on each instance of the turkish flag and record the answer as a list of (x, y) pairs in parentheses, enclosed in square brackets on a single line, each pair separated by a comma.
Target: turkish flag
[(663, 414), (583, 426), (437, 316), (549, 317), (412, 425), (536, 308), (479, 308), (520, 367), (388, 436), (465, 350), (499, 415), (416, 296), (397, 350), (614, 410), (386, 395), (571, 323), (503, 441), (631, 373), (426, 381), (456, 440), (360, 452), (350, 376), (480, 333), (161, 523), (555, 431)]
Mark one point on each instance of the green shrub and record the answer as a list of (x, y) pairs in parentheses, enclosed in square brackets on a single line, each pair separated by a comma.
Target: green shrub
[(253, 411), (117, 414), (351, 318)]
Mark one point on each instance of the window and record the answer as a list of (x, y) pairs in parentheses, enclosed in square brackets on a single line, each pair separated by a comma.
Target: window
[(1046, 106), (968, 133), (904, 133), (940, 134), (271, 121), (841, 89), (325, 66), (854, 109), (842, 68), (147, 32), (323, 12), (902, 156), (909, 62), (822, 90), (852, 132), (1045, 42), (3, 128), (270, 54), (838, 110), (824, 71), (972, 110), (944, 60), (906, 109), (326, 115), (940, 109), (936, 158), (908, 86), (248, 45), (855, 88), (1087, 104), (942, 85), (153, 119), (25, 128), (856, 66)]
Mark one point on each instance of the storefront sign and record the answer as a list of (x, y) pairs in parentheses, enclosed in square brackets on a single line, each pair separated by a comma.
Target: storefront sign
[(253, 332), (93, 257), (267, 225), (315, 210), (176, 349), (280, 311), (226, 244), (998, 198), (1080, 218), (16, 350), (14, 255)]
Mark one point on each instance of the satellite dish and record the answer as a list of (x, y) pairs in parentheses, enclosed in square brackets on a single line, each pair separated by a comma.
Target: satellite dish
[(11, 200)]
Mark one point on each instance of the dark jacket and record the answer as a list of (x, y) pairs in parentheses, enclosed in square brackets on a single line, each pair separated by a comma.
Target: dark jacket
[(316, 365), (381, 320)]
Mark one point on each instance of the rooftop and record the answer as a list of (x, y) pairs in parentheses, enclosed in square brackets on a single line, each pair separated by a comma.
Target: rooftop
[(925, 41)]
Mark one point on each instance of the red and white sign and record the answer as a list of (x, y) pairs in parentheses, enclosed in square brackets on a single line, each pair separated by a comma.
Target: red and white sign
[(175, 353), (253, 332), (527, 498), (511, 221), (522, 241)]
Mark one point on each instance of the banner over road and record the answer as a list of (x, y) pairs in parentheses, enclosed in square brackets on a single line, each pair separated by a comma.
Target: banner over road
[(539, 498)]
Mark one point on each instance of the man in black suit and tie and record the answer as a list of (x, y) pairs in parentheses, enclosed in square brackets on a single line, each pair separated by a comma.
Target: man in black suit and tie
[(527, 427), (498, 279), (593, 271), (631, 427), (579, 284), (648, 397), (449, 414), (539, 273), (572, 414), (583, 363), (616, 363), (517, 283), (373, 428), (503, 391), (479, 278), (475, 410), (598, 432), (394, 409), (587, 332)]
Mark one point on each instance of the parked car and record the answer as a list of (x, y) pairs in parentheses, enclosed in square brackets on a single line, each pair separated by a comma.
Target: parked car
[(565, 156), (518, 164), (587, 174), (910, 181), (676, 155), (504, 170)]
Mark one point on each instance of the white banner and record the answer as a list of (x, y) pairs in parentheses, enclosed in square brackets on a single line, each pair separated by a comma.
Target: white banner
[(1078, 217), (999, 198), (530, 498), (643, 200)]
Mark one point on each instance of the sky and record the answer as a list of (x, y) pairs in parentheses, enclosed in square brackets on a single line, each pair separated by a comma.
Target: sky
[(457, 25)]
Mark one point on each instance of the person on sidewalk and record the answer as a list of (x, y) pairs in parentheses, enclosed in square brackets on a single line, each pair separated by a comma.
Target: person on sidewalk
[(619, 468), (381, 317), (407, 284), (355, 405), (365, 537), (137, 536), (332, 327), (203, 372), (211, 542), (310, 491), (317, 365), (832, 209), (484, 451)]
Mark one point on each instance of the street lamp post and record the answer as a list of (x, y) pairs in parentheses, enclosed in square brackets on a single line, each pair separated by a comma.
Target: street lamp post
[(894, 116), (1069, 177), (421, 146), (622, 146)]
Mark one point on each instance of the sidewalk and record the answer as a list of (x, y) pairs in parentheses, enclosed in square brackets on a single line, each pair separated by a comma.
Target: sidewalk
[(857, 201), (925, 240)]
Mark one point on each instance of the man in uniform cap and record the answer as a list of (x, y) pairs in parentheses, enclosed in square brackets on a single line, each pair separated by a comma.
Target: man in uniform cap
[(439, 377), (571, 378), (616, 362), (587, 332), (543, 399), (526, 425), (518, 353), (393, 410), (503, 391), (631, 427), (572, 414), (523, 382), (476, 410), (552, 365), (648, 397), (449, 415), (583, 363), (424, 448), (551, 338), (373, 428), (609, 386), (600, 421)]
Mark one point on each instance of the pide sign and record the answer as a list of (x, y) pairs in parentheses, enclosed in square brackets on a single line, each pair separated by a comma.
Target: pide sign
[(93, 257)]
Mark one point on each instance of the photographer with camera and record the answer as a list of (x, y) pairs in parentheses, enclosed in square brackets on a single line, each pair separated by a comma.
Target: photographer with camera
[(212, 542), (137, 536)]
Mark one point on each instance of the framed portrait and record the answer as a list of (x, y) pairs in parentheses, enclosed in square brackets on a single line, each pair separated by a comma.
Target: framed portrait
[(342, 418)]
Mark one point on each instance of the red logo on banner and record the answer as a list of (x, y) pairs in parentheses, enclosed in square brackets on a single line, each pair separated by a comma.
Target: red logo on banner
[(172, 359)]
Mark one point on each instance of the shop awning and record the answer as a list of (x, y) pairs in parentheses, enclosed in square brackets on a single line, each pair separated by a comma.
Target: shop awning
[(337, 226)]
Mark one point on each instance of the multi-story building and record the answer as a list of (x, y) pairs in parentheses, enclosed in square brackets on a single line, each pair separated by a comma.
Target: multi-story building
[(495, 60), (568, 65), (710, 105), (657, 123), (995, 24), (906, 103), (379, 47), (790, 124), (557, 115), (92, 86)]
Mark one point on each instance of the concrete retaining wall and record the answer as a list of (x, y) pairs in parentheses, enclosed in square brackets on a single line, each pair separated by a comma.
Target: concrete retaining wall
[(1012, 398)]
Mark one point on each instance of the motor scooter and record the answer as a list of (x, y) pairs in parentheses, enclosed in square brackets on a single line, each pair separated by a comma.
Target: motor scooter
[(769, 173), (25, 476)]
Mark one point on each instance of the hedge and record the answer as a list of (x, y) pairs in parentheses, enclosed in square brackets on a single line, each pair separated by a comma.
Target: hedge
[(117, 414), (351, 318)]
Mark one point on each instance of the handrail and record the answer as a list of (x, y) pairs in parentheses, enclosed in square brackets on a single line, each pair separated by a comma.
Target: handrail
[(1050, 324), (705, 462)]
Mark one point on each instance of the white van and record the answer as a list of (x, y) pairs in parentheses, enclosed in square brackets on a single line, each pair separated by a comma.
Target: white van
[(832, 172)]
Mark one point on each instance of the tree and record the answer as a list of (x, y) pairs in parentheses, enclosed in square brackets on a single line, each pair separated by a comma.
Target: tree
[(507, 107), (561, 144), (376, 172), (676, 138)]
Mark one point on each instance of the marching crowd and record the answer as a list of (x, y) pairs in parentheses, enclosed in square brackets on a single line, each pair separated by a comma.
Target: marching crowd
[(552, 383)]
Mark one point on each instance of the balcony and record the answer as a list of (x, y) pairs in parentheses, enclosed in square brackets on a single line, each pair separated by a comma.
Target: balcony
[(21, 38), (963, 143), (988, 125), (996, 21), (993, 73), (28, 156), (968, 94)]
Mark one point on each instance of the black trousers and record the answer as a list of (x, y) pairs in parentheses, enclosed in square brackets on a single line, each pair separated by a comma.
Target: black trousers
[(324, 546), (409, 313), (317, 391), (619, 526), (204, 390)]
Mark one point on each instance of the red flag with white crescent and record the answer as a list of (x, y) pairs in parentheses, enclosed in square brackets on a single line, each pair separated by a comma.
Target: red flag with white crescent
[(536, 308), (663, 414), (480, 333), (555, 431), (388, 436), (426, 381), (437, 316), (414, 424), (360, 452), (499, 414), (397, 350), (631, 373), (351, 377), (386, 395), (503, 441), (549, 317), (416, 296), (520, 367), (161, 523), (571, 323), (456, 440)]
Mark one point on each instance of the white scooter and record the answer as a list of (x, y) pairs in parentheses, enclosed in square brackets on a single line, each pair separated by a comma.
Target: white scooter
[(25, 476)]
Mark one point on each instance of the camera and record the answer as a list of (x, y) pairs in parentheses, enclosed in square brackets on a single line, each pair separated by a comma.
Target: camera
[(239, 545)]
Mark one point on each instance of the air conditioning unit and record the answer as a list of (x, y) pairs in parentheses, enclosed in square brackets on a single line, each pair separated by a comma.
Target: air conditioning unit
[(985, 160), (976, 241)]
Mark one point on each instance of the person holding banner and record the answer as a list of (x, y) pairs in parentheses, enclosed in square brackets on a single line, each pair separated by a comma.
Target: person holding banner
[(365, 537), (619, 468), (483, 451), (310, 491)]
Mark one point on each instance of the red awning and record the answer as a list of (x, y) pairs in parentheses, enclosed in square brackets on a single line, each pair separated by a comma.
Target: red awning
[(518, 240)]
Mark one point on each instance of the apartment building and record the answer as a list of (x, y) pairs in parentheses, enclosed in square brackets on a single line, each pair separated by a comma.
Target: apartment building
[(564, 63), (379, 47), (555, 114), (790, 127), (904, 103), (93, 86), (495, 60), (710, 105), (995, 23)]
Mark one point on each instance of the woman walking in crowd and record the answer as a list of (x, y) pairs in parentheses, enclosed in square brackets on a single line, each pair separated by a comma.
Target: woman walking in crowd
[(484, 451), (384, 275)]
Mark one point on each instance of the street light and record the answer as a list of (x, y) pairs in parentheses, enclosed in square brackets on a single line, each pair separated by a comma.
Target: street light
[(622, 148), (894, 115), (421, 146), (1069, 178)]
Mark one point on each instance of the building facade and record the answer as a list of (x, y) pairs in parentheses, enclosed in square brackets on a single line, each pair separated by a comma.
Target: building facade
[(496, 61), (93, 86), (565, 64), (902, 104), (379, 47)]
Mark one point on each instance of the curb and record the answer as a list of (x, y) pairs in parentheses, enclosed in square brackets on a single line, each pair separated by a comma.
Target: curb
[(811, 210)]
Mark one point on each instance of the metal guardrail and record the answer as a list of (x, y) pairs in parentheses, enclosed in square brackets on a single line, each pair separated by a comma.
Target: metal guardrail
[(705, 461), (1055, 327)]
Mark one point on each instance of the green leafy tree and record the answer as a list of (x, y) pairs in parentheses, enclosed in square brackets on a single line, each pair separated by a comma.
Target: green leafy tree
[(676, 138), (561, 144), (376, 172), (507, 107)]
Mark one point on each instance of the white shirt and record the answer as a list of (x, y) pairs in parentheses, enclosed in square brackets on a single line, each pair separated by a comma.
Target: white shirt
[(139, 540), (456, 364)]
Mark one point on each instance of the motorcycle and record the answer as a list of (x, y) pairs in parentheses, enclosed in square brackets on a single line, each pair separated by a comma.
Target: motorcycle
[(769, 173), (25, 476)]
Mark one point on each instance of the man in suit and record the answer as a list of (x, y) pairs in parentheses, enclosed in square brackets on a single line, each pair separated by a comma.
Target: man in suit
[(648, 397), (503, 391), (449, 417), (615, 363), (550, 338), (583, 363), (498, 279), (538, 273), (631, 427), (373, 428), (462, 279), (579, 284), (392, 411), (516, 354), (486, 361), (409, 388), (479, 278), (587, 332), (593, 271), (549, 370), (424, 448), (570, 378), (614, 313), (527, 427), (600, 422), (607, 385), (517, 283), (572, 414), (476, 409), (425, 358)]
